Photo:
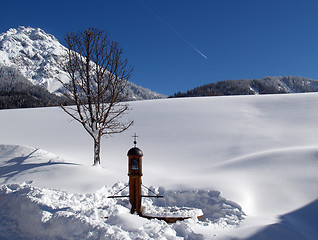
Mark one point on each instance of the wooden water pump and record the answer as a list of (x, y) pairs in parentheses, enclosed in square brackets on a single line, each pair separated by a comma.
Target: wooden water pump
[(135, 173), (135, 183)]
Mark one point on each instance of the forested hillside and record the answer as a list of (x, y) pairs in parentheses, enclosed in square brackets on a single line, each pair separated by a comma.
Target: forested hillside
[(18, 92), (268, 85)]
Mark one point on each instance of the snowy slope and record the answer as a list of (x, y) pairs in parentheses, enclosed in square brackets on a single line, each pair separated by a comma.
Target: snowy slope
[(37, 55), (225, 155)]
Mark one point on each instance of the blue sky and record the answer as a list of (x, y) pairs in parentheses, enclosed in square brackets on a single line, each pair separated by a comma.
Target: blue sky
[(178, 45)]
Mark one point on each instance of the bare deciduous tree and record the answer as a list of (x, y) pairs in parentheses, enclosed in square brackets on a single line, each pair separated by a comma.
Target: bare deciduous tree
[(98, 76)]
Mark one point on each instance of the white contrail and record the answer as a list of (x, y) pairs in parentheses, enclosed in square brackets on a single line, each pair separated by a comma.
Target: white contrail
[(173, 29), (200, 52)]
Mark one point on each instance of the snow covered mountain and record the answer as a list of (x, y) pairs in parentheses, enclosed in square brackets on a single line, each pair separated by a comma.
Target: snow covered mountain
[(37, 55)]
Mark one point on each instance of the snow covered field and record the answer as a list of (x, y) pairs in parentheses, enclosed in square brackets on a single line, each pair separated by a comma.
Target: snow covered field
[(249, 162)]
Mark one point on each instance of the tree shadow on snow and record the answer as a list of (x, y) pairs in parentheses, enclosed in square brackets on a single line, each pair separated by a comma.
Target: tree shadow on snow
[(17, 166), (298, 225)]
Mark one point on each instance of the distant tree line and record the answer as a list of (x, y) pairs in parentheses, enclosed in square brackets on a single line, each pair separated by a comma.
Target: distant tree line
[(268, 85), (18, 92)]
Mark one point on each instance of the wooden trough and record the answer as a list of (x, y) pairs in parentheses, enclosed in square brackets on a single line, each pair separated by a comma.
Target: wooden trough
[(171, 214), (169, 219)]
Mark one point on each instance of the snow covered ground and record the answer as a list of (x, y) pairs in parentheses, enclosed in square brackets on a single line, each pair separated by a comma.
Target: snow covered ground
[(249, 162)]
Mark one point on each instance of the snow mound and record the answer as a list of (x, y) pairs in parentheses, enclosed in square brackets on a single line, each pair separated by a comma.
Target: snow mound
[(30, 212), (36, 213), (208, 203)]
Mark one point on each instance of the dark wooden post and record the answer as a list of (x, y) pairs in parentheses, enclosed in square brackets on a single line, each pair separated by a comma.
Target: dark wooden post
[(135, 173)]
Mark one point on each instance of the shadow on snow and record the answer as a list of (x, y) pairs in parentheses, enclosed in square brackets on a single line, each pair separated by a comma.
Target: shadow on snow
[(297, 225), (15, 166)]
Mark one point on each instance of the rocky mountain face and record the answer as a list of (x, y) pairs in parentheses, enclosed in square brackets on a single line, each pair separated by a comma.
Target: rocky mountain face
[(37, 56), (268, 85)]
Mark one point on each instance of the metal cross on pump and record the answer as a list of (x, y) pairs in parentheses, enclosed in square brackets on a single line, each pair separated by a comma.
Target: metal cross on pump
[(135, 183)]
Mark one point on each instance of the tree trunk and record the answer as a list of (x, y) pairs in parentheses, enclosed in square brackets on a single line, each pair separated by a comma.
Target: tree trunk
[(97, 151)]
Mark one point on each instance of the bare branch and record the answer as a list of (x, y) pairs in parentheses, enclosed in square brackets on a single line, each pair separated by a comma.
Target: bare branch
[(98, 76)]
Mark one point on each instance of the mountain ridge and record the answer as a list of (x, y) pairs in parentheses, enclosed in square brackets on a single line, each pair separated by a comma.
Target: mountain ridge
[(37, 55), (267, 85)]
